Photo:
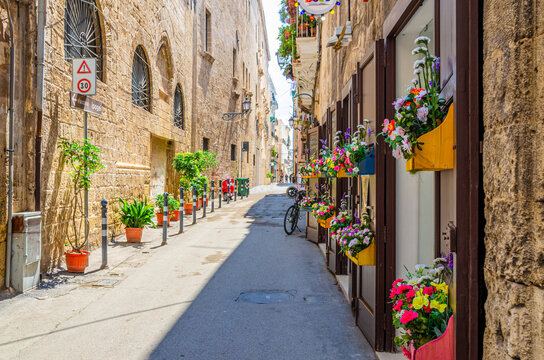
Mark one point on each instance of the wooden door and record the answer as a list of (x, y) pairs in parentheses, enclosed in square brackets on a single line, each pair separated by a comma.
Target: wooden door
[(312, 227)]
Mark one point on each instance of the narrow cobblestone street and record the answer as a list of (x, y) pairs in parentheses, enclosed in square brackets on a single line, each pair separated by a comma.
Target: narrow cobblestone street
[(232, 287)]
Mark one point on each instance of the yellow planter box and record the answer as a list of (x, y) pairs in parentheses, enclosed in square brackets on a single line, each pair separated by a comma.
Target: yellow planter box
[(343, 174), (367, 257), (438, 151), (310, 176), (326, 224)]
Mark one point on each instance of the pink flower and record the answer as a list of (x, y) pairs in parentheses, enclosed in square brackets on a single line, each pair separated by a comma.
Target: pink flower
[(398, 305), (385, 125), (337, 168), (408, 316)]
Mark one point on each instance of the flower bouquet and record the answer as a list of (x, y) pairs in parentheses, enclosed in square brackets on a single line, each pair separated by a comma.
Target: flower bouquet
[(323, 212), (310, 168), (420, 305), (341, 220), (359, 148), (307, 202), (420, 111)]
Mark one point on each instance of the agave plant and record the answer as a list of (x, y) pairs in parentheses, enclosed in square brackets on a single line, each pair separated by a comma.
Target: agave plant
[(137, 214)]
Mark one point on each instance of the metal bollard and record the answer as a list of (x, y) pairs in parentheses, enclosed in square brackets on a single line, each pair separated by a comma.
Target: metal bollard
[(205, 200), (228, 192), (220, 192), (241, 192), (181, 210), (194, 204), (165, 219), (104, 234), (213, 196), (235, 189)]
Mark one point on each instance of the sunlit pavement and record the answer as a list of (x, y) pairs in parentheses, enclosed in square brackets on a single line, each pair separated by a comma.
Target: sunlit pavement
[(232, 287)]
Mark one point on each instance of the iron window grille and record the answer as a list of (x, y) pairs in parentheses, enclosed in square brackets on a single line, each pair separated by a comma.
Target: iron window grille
[(82, 32), (178, 108), (141, 84)]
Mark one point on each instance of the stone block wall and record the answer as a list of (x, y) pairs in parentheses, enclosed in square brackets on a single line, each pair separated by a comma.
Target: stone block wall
[(513, 170), (124, 131)]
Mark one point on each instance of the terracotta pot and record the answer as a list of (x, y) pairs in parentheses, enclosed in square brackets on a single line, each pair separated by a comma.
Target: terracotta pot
[(160, 220), (175, 216), (188, 208), (199, 204), (76, 262), (134, 235)]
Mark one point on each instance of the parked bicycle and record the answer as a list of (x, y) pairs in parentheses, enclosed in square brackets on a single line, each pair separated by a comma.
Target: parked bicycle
[(290, 222)]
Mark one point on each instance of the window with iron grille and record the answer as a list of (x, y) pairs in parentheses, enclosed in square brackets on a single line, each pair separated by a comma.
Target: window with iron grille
[(205, 144), (178, 108), (141, 81), (82, 32)]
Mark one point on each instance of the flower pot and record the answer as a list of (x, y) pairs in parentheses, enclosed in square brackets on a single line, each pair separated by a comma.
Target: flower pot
[(367, 166), (441, 348), (160, 219), (437, 149), (175, 216), (367, 257), (199, 204), (326, 224), (134, 235), (188, 208), (343, 174), (76, 262)]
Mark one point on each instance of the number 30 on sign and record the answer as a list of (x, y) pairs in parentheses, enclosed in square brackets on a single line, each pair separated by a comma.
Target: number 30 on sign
[(84, 76)]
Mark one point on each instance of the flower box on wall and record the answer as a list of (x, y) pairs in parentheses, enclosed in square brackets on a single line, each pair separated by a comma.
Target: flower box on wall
[(367, 257), (310, 176), (367, 166), (326, 224), (438, 148), (441, 348)]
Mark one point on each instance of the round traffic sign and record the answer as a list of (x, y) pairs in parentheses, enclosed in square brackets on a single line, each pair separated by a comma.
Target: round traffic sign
[(84, 85)]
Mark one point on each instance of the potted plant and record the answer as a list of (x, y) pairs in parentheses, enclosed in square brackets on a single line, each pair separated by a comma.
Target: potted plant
[(135, 216), (356, 241), (176, 214), (187, 196), (270, 176), (84, 160), (159, 203), (421, 309)]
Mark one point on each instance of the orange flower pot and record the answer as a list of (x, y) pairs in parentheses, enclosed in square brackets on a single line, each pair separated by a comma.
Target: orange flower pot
[(188, 208), (326, 224), (160, 219), (175, 216), (198, 204), (76, 262), (134, 235)]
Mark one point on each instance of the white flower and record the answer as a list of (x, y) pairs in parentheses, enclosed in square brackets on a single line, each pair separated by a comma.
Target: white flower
[(413, 282), (419, 50), (422, 40), (417, 72), (422, 113), (420, 267), (419, 64), (415, 82)]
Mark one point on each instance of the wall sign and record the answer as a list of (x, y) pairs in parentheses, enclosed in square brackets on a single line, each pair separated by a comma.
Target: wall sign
[(84, 76), (317, 7)]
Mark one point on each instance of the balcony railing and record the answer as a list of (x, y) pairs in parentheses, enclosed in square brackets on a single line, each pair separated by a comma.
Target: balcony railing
[(306, 30)]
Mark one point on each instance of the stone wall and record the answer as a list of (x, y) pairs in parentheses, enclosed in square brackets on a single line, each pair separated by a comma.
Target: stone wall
[(513, 171), (172, 36)]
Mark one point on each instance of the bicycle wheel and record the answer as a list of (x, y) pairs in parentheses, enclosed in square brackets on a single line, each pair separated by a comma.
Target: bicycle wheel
[(291, 220)]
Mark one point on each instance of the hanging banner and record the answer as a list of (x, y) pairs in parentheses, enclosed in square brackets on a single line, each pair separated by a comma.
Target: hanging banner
[(317, 7)]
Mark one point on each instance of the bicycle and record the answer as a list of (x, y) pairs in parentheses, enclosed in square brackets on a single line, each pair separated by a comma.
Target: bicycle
[(290, 222)]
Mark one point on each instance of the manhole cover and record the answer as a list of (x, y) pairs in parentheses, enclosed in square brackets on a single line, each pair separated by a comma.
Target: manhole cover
[(265, 297)]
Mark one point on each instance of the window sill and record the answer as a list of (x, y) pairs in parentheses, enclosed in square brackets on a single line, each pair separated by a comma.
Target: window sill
[(206, 55)]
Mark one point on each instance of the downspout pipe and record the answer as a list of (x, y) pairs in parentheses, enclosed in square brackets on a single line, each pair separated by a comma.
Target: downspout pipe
[(39, 104), (11, 145)]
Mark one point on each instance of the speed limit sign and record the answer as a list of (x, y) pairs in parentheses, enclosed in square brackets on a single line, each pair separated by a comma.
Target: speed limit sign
[(84, 76)]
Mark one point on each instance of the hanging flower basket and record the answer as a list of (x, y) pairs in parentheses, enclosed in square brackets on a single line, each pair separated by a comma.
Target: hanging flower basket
[(437, 150), (326, 224), (441, 348), (367, 166), (367, 257)]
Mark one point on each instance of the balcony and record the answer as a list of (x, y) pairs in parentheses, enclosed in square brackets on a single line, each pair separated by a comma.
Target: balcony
[(305, 67)]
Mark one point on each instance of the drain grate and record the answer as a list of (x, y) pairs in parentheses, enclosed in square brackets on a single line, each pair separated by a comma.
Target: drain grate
[(265, 297)]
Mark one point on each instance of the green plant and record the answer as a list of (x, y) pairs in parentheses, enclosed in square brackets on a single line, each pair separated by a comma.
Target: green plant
[(199, 181), (84, 160), (270, 176), (190, 165), (187, 190), (137, 214), (173, 204)]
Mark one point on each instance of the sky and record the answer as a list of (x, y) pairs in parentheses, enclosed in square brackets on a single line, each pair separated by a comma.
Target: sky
[(283, 86)]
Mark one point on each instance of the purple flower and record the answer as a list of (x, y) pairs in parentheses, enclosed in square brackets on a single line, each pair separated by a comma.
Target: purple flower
[(369, 131), (346, 135)]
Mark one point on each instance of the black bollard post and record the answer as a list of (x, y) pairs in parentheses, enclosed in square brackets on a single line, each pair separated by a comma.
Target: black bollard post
[(220, 192), (213, 196), (165, 219), (194, 204), (228, 191), (181, 210), (104, 234), (235, 189), (205, 200)]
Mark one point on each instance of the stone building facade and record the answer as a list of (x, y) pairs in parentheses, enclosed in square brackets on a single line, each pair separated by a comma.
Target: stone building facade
[(211, 55), (491, 55)]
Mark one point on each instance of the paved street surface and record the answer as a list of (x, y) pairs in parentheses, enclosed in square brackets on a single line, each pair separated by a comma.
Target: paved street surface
[(232, 287)]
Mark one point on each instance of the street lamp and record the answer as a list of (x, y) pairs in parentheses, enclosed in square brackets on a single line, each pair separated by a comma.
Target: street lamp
[(291, 122), (246, 107)]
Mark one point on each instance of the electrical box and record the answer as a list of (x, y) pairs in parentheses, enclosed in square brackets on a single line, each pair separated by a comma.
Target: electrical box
[(26, 250)]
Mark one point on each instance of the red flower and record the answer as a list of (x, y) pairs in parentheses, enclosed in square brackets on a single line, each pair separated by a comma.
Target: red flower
[(406, 353), (393, 293), (429, 290), (398, 305), (391, 127), (408, 316), (411, 294)]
